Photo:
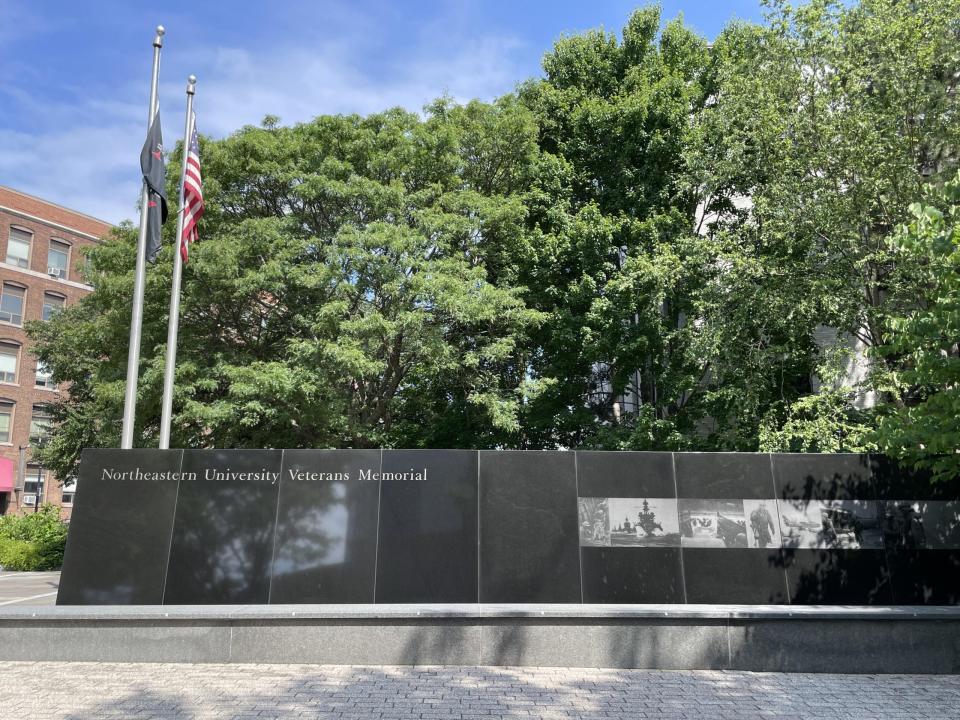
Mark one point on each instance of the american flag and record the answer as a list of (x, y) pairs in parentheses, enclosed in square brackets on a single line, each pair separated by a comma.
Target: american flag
[(192, 193)]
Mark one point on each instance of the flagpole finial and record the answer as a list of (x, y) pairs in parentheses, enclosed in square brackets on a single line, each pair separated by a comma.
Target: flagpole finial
[(191, 82), (158, 40)]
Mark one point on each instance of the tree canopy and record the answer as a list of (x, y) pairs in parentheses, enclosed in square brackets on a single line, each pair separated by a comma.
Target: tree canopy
[(660, 243), (923, 346)]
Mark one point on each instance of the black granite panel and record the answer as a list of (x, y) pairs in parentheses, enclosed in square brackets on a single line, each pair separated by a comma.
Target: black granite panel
[(528, 527), (921, 524), (808, 476), (326, 543), (732, 575), (630, 575), (734, 476), (924, 577), (895, 481), (428, 528), (846, 538), (625, 474), (120, 530), (223, 532), (838, 577)]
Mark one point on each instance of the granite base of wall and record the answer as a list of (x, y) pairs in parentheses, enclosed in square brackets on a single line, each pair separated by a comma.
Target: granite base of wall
[(844, 640)]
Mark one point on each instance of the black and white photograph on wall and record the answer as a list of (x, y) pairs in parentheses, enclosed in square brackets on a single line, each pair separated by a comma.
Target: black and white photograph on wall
[(763, 525), (915, 524), (851, 524), (831, 524), (712, 523), (594, 519), (644, 522), (942, 522), (800, 523)]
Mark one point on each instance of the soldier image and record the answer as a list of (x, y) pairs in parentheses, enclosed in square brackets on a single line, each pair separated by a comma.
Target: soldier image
[(599, 524), (762, 525), (907, 526), (858, 530), (918, 535)]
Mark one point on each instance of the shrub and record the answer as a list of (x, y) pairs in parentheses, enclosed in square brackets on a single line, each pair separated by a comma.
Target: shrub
[(42, 531), (19, 555)]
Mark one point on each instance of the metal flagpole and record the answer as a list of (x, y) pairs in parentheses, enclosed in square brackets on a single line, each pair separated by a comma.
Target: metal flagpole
[(136, 318), (173, 324)]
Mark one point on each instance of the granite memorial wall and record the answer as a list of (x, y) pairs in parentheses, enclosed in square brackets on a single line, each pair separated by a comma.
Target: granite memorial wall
[(460, 526)]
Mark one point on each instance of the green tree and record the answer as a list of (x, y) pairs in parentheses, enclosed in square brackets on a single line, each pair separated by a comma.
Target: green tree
[(923, 345), (354, 286), (654, 219), (609, 210), (826, 125)]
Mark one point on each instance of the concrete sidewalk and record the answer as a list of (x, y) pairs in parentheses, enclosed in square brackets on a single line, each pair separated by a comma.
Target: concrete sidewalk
[(28, 588), (71, 691)]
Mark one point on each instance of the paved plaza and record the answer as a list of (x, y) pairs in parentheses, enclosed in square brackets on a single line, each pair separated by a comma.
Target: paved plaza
[(78, 691), (43, 691), (28, 588)]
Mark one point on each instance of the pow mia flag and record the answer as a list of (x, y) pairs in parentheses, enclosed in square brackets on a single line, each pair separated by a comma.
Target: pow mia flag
[(154, 174)]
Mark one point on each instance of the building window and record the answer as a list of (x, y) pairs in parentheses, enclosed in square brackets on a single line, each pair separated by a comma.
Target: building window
[(58, 259), (6, 420), (8, 362), (35, 482), (52, 304), (39, 424), (11, 304), (44, 377), (68, 490), (18, 248)]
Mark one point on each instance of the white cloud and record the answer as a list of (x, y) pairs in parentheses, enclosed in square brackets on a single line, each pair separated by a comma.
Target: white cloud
[(85, 152), (297, 85), (90, 169)]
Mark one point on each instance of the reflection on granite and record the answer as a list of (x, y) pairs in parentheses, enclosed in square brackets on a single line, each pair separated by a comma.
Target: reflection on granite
[(223, 530), (741, 576), (120, 529), (732, 476), (808, 476), (438, 526), (326, 539), (621, 575), (428, 529), (625, 474), (529, 549), (838, 577)]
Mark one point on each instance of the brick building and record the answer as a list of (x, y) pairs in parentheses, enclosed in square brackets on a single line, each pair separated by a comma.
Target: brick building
[(39, 274)]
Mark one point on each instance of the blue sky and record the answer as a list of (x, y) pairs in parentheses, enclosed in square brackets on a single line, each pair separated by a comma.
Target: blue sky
[(74, 76)]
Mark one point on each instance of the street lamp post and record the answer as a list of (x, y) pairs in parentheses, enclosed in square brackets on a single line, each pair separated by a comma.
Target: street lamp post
[(40, 487)]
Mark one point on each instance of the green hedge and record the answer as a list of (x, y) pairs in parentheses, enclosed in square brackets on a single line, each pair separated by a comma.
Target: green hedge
[(34, 541), (19, 555)]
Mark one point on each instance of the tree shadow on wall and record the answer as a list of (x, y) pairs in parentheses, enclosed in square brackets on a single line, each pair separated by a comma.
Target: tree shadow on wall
[(222, 547), (832, 537)]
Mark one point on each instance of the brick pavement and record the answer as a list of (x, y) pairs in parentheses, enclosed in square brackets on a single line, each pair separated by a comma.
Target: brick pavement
[(45, 690)]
